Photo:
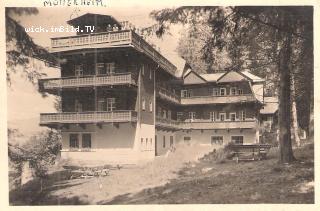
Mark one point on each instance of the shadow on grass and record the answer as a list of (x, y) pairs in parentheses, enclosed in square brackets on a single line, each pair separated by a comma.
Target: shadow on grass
[(30, 193), (265, 181)]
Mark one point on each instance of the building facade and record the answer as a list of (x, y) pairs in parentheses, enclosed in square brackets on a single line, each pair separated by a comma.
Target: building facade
[(122, 101)]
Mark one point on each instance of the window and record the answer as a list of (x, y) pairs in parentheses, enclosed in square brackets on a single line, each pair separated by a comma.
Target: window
[(164, 113), (86, 140), (179, 116), (146, 142), (111, 104), (216, 140), (150, 106), (222, 116), (143, 104), (102, 105), (78, 106), (232, 116), (185, 93), (192, 115), (242, 115), (211, 116), (171, 141), (215, 92), (237, 139), (222, 91), (142, 70), (240, 91), (150, 142), (74, 141), (233, 91), (79, 70), (150, 74), (164, 142), (110, 68), (270, 118), (101, 70), (169, 114), (159, 111), (141, 141)]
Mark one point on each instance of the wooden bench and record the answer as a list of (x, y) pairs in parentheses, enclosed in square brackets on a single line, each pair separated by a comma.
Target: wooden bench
[(250, 151)]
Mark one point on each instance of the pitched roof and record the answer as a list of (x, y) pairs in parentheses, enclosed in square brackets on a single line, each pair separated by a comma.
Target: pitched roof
[(193, 78), (271, 105), (211, 77), (254, 78), (231, 76), (90, 17)]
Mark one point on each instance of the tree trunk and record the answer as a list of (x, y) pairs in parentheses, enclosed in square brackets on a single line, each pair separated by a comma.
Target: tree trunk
[(295, 126), (286, 153)]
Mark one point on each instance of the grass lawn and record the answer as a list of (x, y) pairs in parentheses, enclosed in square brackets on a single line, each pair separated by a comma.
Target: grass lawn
[(204, 182), (247, 182)]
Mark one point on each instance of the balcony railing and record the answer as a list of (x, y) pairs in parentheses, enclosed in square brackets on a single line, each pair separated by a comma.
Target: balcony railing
[(206, 124), (111, 39), (74, 42), (195, 100), (84, 81), (161, 122), (168, 95), (88, 117), (217, 99)]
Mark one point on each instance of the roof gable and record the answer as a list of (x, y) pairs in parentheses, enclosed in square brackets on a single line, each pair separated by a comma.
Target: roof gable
[(193, 78), (212, 77), (231, 76)]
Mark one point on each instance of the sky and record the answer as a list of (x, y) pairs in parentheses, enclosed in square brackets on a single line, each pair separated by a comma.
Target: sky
[(25, 103)]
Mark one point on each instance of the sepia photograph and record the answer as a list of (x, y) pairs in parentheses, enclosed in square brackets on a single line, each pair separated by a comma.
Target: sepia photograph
[(142, 104)]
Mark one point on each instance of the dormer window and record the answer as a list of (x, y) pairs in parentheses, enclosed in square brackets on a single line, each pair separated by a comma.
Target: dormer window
[(186, 93), (215, 91), (233, 91), (223, 91), (240, 91)]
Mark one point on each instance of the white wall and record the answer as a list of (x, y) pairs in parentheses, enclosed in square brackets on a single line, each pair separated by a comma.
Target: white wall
[(108, 137), (160, 134), (111, 144)]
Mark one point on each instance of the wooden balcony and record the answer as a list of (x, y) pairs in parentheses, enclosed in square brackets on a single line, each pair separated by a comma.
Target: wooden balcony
[(166, 123), (205, 124), (167, 95), (196, 100), (123, 38), (87, 81), (88, 117), (246, 124)]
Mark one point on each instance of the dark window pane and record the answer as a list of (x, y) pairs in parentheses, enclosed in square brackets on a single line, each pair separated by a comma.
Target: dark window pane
[(86, 140)]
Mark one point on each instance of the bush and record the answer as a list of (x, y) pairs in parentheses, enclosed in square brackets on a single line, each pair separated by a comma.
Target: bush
[(219, 155)]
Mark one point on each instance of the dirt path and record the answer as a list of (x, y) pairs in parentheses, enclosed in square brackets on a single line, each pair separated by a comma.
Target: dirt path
[(124, 181)]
